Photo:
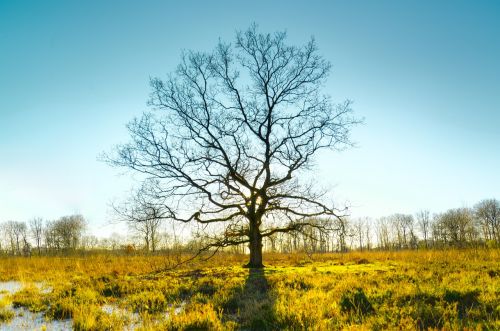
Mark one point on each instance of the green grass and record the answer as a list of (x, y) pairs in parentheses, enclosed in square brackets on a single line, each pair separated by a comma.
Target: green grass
[(375, 291)]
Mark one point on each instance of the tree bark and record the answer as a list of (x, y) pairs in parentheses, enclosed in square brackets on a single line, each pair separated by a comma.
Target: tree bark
[(255, 245)]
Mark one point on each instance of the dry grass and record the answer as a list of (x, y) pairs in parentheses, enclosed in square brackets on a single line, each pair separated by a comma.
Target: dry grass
[(361, 290)]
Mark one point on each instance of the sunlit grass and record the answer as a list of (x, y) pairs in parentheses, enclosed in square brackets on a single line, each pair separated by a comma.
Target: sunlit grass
[(369, 290)]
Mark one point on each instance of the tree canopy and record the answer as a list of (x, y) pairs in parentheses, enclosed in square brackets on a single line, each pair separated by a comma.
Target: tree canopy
[(230, 134)]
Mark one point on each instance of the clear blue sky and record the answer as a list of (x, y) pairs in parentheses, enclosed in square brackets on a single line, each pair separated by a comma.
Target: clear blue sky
[(425, 75)]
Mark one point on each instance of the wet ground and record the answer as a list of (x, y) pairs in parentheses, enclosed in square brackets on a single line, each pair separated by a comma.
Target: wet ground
[(23, 318)]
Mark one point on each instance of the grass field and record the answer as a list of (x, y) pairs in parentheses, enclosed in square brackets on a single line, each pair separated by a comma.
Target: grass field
[(408, 290)]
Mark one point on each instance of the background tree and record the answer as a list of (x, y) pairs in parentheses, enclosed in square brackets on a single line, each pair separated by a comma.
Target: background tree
[(143, 216), (231, 134), (65, 233), (488, 213), (383, 233), (8, 237), (424, 222), (403, 228), (89, 242), (358, 228), (457, 227), (16, 233), (36, 232)]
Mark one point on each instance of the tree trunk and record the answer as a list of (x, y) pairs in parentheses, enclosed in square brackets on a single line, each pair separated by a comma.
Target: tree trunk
[(255, 245)]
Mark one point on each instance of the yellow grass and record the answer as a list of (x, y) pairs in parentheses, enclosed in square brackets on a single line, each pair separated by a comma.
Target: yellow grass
[(453, 289)]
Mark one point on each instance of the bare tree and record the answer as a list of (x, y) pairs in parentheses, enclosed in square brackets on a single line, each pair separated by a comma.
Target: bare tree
[(368, 228), (438, 232), (36, 231), (143, 216), (488, 213), (16, 235), (230, 135), (423, 221), (115, 241), (403, 227), (65, 233), (358, 227), (457, 226), (383, 233), (9, 236), (89, 242)]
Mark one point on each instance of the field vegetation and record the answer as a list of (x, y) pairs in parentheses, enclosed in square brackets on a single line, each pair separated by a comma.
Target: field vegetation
[(230, 227), (427, 289)]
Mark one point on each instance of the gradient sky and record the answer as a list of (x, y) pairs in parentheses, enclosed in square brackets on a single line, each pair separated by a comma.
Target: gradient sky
[(425, 75)]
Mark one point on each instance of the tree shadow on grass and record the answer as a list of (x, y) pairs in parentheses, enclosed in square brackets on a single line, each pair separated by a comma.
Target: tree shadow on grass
[(252, 305)]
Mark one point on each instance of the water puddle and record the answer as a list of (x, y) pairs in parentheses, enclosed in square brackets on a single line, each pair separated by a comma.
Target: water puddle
[(177, 308), (9, 287), (134, 320), (25, 320), (14, 286)]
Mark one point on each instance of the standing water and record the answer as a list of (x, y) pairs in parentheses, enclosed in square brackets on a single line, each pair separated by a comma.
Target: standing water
[(24, 319)]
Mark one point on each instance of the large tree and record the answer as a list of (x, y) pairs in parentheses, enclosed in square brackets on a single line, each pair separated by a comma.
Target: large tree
[(230, 136)]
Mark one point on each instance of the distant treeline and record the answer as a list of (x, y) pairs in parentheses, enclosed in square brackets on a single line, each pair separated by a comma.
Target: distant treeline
[(461, 227)]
